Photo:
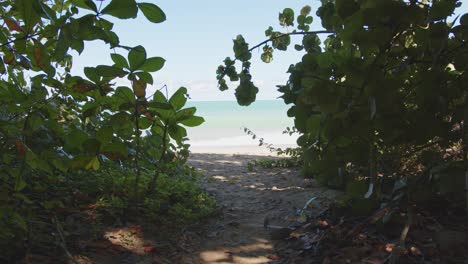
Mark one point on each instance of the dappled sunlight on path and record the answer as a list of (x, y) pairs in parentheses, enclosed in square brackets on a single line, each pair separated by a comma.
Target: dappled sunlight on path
[(248, 200)]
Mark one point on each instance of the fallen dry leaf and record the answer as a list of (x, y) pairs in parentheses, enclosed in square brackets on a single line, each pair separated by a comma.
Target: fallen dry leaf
[(272, 257), (149, 249)]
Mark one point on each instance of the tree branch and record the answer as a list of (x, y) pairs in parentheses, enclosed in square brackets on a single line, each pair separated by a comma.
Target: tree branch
[(290, 34)]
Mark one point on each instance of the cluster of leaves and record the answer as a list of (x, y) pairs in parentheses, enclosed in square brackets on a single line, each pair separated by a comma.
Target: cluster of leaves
[(387, 82), (53, 124)]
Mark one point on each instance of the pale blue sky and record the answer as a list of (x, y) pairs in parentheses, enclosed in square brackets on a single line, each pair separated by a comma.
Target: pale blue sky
[(197, 36)]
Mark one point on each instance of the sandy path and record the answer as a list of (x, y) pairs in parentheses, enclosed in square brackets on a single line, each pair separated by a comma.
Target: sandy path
[(247, 198)]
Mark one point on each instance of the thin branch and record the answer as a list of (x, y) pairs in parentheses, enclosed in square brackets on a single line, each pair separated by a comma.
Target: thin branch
[(18, 39), (290, 34), (63, 244)]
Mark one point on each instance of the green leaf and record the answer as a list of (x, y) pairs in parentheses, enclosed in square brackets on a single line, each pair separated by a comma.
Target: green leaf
[(178, 99), (123, 9), (185, 113), (305, 11), (29, 12), (442, 9), (110, 71), (125, 94), (313, 123), (153, 64), (115, 150), (90, 109), (287, 17), (19, 221), (193, 121), (160, 105), (120, 61), (241, 49), (87, 4), (159, 97), (177, 133), (136, 57), (246, 92), (34, 122), (145, 76), (464, 20), (76, 138), (20, 185), (152, 12), (93, 164), (104, 134), (92, 74)]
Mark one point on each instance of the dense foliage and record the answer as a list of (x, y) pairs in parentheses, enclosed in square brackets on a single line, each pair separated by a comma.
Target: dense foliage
[(67, 141), (380, 93)]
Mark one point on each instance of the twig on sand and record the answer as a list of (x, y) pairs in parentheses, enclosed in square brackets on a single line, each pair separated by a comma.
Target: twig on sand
[(62, 242)]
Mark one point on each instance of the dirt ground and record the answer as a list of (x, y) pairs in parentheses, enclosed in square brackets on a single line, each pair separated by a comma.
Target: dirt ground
[(256, 208)]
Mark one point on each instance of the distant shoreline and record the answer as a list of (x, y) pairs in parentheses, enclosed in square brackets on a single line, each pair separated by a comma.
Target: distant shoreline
[(237, 150)]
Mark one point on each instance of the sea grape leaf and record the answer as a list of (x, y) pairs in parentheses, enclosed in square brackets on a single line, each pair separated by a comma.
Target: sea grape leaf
[(136, 57), (241, 49), (120, 61), (193, 121), (152, 12), (153, 64), (87, 4), (178, 99), (123, 9)]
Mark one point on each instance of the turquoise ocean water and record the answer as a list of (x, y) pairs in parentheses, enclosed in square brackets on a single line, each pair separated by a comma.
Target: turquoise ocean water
[(225, 120)]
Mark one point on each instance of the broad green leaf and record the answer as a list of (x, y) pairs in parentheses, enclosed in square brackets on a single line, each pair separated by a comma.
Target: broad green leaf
[(29, 12), (313, 123), (442, 9), (115, 150), (110, 71), (241, 49), (90, 109), (93, 164), (178, 99), (153, 64), (20, 185), (159, 97), (123, 9), (177, 133), (104, 134), (145, 76), (124, 94), (76, 138), (87, 4), (92, 74), (287, 17), (34, 122), (136, 57), (160, 105), (193, 121), (464, 20), (120, 61), (185, 113), (144, 123), (18, 220), (152, 12), (305, 11)]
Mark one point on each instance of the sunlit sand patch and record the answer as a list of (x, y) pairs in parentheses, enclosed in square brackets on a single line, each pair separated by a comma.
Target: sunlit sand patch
[(219, 178), (274, 188), (232, 256), (129, 238), (229, 162)]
